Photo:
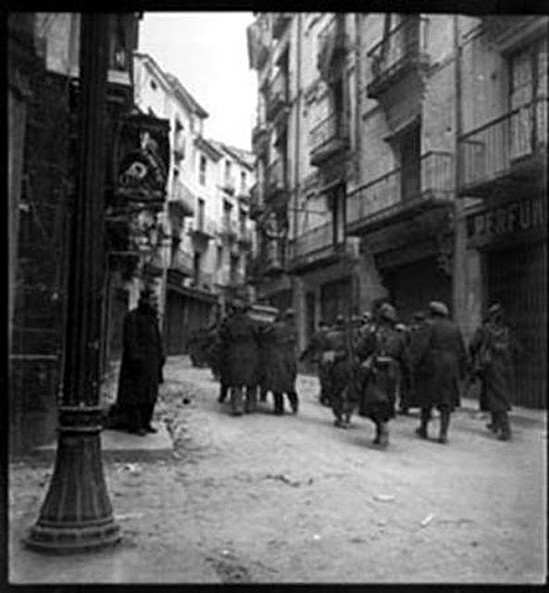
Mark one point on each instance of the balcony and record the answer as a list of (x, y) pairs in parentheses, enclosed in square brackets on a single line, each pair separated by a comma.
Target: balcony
[(315, 248), (182, 262), (277, 97), (259, 42), (404, 51), (256, 206), (328, 138), (202, 230), (182, 199), (387, 199), (260, 140), (228, 185), (507, 31), (276, 187), (179, 146), (280, 21), (332, 45), (228, 231), (507, 154), (244, 238)]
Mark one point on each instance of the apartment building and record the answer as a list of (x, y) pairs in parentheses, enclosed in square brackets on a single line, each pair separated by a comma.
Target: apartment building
[(205, 224), (503, 182), (364, 169)]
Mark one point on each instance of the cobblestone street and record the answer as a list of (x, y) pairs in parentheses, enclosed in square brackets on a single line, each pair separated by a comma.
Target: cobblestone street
[(263, 498)]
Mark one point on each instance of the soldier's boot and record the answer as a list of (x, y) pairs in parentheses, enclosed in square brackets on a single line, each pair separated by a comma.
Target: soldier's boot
[(425, 416), (383, 434), (251, 400), (236, 401), (504, 427), (294, 401), (223, 391), (378, 433), (494, 424), (444, 423), (278, 403)]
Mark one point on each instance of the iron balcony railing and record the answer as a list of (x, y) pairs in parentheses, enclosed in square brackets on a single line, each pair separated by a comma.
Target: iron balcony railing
[(406, 42), (280, 21), (312, 240), (278, 93), (491, 150), (276, 178), (391, 192), (228, 184), (183, 196), (182, 261), (333, 128), (203, 226), (332, 38)]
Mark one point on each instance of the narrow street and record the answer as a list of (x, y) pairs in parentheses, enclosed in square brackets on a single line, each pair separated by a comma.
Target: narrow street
[(262, 498)]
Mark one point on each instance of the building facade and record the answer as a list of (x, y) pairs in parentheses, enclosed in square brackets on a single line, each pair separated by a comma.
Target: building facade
[(205, 225), (44, 101), (364, 168)]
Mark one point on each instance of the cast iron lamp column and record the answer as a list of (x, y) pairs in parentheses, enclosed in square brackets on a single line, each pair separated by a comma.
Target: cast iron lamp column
[(77, 514)]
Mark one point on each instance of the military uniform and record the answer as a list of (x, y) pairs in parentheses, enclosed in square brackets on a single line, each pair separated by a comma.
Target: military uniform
[(441, 357), (280, 340), (495, 346), (382, 351), (239, 349), (313, 353)]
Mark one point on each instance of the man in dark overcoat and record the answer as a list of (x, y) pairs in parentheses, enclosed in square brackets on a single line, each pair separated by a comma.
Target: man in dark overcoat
[(142, 362), (280, 340), (494, 347), (382, 352), (239, 351), (439, 354)]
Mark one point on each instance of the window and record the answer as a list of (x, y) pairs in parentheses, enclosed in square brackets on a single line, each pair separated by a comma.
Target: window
[(227, 211), (219, 258), (528, 98), (154, 86), (196, 268), (228, 179), (202, 170), (410, 164), (242, 221), (243, 182), (200, 215)]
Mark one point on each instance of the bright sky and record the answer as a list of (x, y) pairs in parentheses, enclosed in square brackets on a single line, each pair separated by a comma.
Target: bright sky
[(207, 51)]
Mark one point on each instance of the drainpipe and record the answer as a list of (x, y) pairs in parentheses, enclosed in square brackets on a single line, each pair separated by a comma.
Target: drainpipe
[(297, 284), (459, 260)]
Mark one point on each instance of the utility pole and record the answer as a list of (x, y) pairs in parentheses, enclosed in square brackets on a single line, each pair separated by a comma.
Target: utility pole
[(77, 514)]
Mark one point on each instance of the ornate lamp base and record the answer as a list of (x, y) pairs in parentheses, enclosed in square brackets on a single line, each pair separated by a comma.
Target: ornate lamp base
[(77, 513)]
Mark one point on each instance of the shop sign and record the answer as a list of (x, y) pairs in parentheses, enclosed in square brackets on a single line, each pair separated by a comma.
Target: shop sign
[(515, 217)]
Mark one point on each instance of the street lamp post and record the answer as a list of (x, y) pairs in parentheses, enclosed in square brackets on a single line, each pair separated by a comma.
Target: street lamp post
[(77, 514)]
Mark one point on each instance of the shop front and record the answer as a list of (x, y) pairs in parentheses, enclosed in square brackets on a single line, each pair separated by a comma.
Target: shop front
[(511, 239)]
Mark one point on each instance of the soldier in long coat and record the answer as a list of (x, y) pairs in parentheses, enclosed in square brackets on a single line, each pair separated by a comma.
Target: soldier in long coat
[(239, 352), (440, 355), (416, 377), (493, 347), (141, 368), (280, 340), (382, 352)]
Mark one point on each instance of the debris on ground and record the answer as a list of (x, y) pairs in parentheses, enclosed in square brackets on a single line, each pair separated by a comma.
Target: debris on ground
[(427, 520), (384, 497), (283, 478)]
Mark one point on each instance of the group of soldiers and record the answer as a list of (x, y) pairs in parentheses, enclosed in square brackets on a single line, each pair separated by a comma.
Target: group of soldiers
[(366, 364)]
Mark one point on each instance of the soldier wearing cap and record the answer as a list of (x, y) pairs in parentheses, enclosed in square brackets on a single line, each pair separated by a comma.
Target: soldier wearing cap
[(493, 348), (280, 340), (439, 356), (239, 351), (381, 352)]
